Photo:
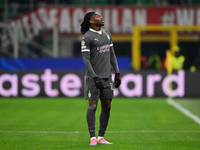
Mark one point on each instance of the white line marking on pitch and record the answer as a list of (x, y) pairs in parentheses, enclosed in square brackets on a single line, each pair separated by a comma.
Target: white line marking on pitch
[(184, 110), (73, 132)]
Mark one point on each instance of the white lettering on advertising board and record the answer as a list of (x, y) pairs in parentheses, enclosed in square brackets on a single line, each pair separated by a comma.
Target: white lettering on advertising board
[(71, 84)]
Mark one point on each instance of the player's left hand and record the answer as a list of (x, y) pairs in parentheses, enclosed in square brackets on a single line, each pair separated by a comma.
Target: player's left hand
[(117, 80)]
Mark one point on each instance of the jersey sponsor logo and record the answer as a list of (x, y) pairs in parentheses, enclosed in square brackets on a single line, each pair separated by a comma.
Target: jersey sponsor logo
[(96, 39), (104, 48)]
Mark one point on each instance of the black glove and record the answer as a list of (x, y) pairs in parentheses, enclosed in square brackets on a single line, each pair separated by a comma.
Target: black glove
[(98, 83), (117, 80)]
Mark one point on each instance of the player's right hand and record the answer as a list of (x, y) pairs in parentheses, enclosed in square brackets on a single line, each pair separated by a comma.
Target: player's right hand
[(98, 83)]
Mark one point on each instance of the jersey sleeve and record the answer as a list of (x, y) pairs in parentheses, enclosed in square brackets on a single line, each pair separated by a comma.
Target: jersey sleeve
[(113, 59), (85, 44), (85, 49)]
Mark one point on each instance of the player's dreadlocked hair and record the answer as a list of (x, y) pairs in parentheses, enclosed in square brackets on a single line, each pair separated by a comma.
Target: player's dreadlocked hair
[(85, 25)]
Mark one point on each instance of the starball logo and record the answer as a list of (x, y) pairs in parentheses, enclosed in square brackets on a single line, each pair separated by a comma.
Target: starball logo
[(71, 84)]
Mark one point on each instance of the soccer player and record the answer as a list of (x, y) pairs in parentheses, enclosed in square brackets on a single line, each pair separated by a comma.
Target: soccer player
[(98, 56)]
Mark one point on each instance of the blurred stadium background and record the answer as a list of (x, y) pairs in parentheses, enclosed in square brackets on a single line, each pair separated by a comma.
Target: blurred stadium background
[(42, 74), (42, 38)]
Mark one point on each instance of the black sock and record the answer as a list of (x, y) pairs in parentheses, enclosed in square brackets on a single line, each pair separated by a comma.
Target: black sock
[(91, 122), (104, 117)]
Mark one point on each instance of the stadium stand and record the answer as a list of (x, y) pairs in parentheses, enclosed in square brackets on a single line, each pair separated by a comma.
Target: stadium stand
[(11, 9), (195, 2), (90, 2)]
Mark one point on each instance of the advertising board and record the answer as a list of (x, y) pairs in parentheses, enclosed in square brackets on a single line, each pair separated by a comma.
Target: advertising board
[(51, 83)]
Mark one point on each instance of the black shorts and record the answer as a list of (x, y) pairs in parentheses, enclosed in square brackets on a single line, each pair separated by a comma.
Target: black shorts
[(92, 93)]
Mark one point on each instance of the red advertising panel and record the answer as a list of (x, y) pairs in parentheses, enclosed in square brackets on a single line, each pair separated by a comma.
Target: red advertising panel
[(119, 20)]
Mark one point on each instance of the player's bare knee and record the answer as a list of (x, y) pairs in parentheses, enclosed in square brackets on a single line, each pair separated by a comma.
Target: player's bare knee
[(106, 107), (93, 107)]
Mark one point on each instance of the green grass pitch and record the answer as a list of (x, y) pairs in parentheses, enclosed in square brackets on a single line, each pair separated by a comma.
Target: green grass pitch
[(60, 123)]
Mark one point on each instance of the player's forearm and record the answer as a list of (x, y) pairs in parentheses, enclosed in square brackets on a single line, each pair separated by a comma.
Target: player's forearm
[(88, 65)]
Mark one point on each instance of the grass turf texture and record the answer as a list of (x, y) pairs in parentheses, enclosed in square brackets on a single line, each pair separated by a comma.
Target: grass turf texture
[(60, 123)]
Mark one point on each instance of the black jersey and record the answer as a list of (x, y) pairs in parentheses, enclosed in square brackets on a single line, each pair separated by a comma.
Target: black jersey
[(98, 53)]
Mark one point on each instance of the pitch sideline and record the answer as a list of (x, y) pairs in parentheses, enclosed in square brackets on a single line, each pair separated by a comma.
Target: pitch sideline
[(184, 110)]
